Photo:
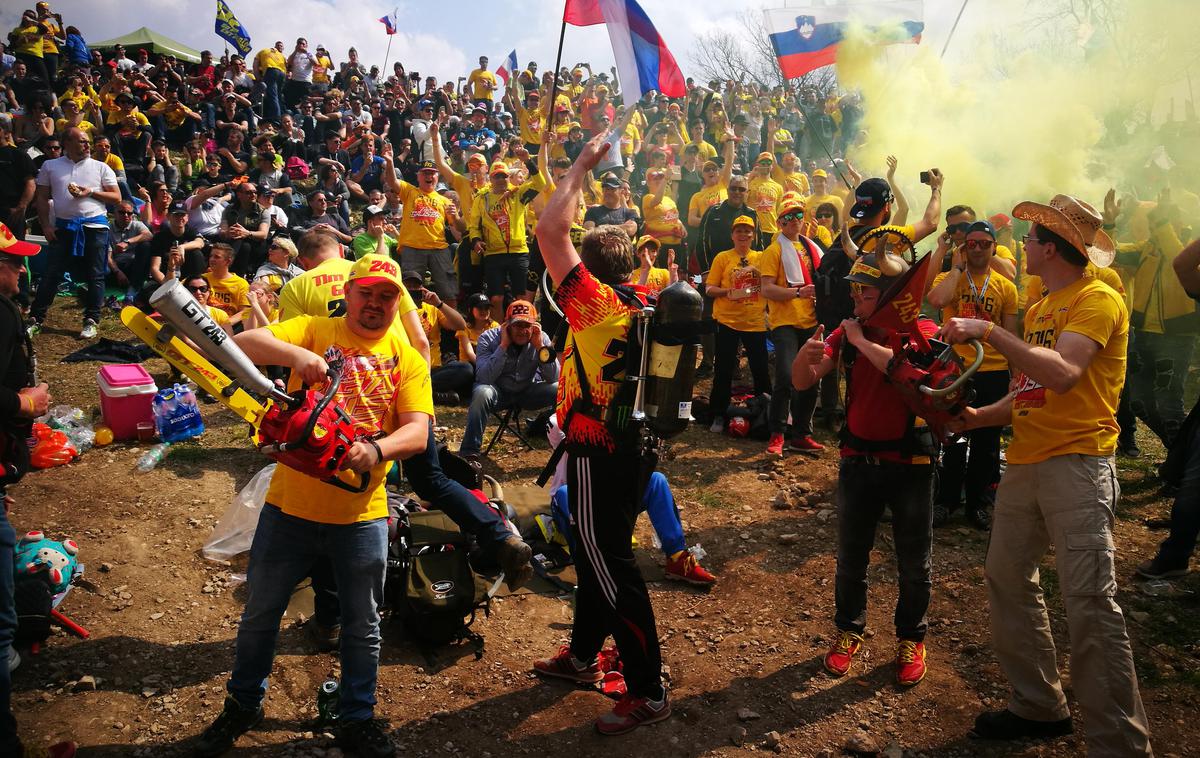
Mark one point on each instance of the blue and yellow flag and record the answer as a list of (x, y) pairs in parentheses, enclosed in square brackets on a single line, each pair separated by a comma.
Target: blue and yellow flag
[(231, 30)]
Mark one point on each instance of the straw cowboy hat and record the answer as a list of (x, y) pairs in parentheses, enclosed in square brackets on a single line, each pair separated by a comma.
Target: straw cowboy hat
[(1076, 222)]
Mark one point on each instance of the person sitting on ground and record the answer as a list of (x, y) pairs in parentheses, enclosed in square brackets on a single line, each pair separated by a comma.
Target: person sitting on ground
[(479, 320), (280, 267), (511, 369), (379, 238), (176, 250), (200, 289), (229, 291)]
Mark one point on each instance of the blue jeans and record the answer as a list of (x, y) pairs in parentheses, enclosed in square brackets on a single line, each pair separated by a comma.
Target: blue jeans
[(9, 743), (93, 266), (284, 550), (657, 502), (1176, 550), (272, 94), (486, 398)]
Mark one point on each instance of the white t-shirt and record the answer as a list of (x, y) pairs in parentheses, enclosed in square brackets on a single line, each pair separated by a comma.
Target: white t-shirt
[(60, 172), (302, 66), (205, 218)]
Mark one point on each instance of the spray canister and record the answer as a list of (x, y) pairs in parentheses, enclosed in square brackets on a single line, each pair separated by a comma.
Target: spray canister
[(327, 702)]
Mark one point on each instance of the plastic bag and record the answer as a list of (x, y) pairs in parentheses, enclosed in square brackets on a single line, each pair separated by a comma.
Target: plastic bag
[(235, 531), (71, 421)]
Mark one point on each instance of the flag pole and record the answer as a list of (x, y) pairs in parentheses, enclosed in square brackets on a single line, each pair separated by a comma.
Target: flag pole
[(383, 71), (954, 28), (562, 35)]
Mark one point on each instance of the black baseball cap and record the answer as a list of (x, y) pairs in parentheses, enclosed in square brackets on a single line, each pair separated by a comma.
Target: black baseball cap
[(371, 211), (610, 181), (179, 206), (427, 166), (478, 300), (982, 226), (870, 198)]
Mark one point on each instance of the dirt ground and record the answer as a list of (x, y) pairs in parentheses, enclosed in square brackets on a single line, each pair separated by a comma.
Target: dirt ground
[(744, 659)]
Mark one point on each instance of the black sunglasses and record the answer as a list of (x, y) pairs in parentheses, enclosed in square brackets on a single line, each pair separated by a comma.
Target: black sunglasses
[(198, 290)]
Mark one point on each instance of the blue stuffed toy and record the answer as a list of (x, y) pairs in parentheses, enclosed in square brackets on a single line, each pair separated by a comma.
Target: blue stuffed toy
[(36, 554)]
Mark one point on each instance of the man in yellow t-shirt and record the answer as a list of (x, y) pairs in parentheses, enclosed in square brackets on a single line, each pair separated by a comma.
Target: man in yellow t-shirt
[(230, 292), (270, 68), (820, 194), (1060, 488), (422, 236), (764, 196), (973, 289), (385, 390), (734, 284), (482, 83)]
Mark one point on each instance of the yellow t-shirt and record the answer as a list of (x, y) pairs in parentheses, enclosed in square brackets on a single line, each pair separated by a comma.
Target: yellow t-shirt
[(1036, 290), (270, 58), (432, 322), (219, 317), (657, 280), (1082, 421), (381, 379), (321, 291), (799, 311), (812, 202), (321, 70), (744, 314), (661, 221), (471, 335), (479, 83), (628, 139), (530, 123), (704, 150), (28, 40), (1006, 254), (424, 224), (764, 197), (466, 190), (993, 298), (231, 294), (707, 197), (796, 181), (49, 46), (61, 125)]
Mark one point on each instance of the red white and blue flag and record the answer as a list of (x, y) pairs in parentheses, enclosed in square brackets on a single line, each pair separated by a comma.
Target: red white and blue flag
[(508, 67), (643, 61), (807, 38), (390, 22)]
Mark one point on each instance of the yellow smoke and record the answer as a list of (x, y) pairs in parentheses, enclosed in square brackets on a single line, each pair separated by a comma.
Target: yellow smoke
[(1007, 123)]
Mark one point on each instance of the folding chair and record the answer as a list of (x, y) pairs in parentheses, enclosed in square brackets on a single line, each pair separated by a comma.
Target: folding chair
[(507, 420)]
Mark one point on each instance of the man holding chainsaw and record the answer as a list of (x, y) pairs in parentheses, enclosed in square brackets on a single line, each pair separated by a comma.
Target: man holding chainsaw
[(606, 461), (1060, 488), (386, 391), (886, 462)]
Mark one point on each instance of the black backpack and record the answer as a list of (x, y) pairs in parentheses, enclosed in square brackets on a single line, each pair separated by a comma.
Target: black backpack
[(430, 586), (834, 304)]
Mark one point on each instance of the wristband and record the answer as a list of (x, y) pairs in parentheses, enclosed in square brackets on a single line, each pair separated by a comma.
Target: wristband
[(988, 331), (378, 452)]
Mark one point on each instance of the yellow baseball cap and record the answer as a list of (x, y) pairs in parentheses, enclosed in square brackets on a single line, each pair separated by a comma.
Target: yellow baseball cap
[(743, 221), (646, 239), (765, 156), (10, 245), (820, 173), (498, 167), (371, 269), (790, 203), (476, 158)]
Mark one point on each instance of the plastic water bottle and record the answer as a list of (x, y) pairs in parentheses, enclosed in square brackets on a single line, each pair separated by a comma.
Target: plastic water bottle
[(152, 456)]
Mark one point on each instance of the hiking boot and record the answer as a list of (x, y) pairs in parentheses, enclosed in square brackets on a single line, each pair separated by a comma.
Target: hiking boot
[(57, 750), (910, 663), (1006, 725), (514, 555), (841, 656), (89, 330), (980, 518), (1127, 446), (326, 638), (367, 738), (718, 425), (233, 722), (446, 398), (805, 444), (632, 712), (775, 445), (684, 568), (1156, 568), (941, 514), (566, 666)]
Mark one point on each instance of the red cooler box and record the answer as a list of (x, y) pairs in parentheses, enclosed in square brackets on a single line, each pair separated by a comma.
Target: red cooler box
[(126, 397)]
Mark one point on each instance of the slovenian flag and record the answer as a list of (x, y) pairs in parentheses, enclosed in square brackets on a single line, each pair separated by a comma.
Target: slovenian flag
[(390, 22), (807, 38), (643, 60), (507, 67)]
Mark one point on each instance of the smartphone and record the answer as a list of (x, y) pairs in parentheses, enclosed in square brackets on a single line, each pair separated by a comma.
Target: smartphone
[(924, 177)]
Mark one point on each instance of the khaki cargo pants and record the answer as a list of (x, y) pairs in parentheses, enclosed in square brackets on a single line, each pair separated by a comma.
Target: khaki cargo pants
[(1067, 501)]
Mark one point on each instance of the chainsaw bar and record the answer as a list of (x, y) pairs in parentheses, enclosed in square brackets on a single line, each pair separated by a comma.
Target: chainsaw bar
[(194, 365)]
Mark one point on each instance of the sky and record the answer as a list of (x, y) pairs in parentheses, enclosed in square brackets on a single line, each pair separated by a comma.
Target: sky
[(446, 44)]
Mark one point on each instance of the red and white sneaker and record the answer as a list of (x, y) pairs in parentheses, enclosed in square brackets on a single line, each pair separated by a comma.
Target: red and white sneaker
[(632, 712), (840, 657), (563, 665), (775, 445), (805, 444), (910, 663), (684, 568)]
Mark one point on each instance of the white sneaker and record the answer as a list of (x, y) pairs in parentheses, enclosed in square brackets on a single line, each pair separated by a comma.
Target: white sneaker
[(14, 659), (718, 425), (89, 330)]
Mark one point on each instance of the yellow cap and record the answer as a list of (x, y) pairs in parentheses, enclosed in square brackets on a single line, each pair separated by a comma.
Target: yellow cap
[(646, 239), (743, 221), (370, 269)]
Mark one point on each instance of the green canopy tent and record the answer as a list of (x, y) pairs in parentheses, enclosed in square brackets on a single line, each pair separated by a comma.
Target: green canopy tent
[(152, 41)]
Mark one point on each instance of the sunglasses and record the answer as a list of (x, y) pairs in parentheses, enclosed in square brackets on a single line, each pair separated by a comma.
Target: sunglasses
[(978, 244), (825, 214), (737, 189), (124, 213), (203, 288), (962, 226), (792, 216)]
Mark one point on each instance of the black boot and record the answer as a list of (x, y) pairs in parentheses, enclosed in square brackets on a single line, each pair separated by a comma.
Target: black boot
[(233, 722), (1006, 725)]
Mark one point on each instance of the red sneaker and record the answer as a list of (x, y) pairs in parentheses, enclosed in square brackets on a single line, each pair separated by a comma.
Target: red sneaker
[(805, 444), (57, 750), (775, 446), (632, 712), (841, 656), (684, 568), (910, 663), (564, 666)]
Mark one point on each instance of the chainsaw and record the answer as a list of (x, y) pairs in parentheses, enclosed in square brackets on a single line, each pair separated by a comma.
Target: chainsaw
[(932, 378), (306, 431)]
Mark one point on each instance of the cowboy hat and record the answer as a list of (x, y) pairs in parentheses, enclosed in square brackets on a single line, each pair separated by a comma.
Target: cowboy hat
[(1076, 222)]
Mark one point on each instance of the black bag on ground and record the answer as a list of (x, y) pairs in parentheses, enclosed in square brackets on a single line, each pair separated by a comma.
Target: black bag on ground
[(33, 599)]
